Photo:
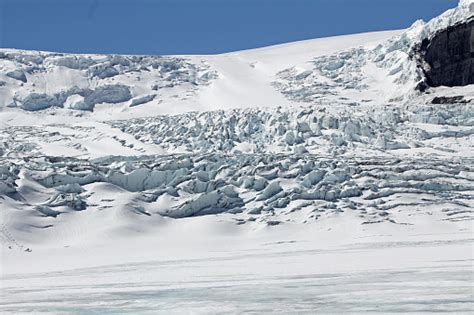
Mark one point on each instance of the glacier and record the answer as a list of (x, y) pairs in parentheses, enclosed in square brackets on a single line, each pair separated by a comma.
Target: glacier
[(326, 174)]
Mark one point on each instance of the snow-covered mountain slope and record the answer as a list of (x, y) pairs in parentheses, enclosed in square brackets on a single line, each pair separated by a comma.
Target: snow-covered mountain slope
[(137, 85), (315, 144), (350, 97), (366, 68)]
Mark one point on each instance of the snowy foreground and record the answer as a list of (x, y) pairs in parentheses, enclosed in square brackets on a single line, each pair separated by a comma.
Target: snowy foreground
[(210, 265), (308, 177)]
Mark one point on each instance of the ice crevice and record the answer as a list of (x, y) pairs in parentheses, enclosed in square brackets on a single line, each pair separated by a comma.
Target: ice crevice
[(201, 186)]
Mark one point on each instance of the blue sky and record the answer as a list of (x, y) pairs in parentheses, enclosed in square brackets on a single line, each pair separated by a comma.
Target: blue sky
[(196, 26)]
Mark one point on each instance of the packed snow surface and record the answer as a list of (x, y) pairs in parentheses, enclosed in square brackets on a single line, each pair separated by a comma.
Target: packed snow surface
[(313, 174)]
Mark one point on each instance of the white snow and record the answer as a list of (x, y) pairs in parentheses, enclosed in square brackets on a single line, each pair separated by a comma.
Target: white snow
[(305, 177)]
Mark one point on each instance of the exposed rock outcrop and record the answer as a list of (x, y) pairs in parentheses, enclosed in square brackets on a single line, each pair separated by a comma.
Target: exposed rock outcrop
[(447, 59)]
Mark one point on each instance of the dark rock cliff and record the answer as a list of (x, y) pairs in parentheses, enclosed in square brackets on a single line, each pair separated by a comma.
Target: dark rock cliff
[(447, 59)]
